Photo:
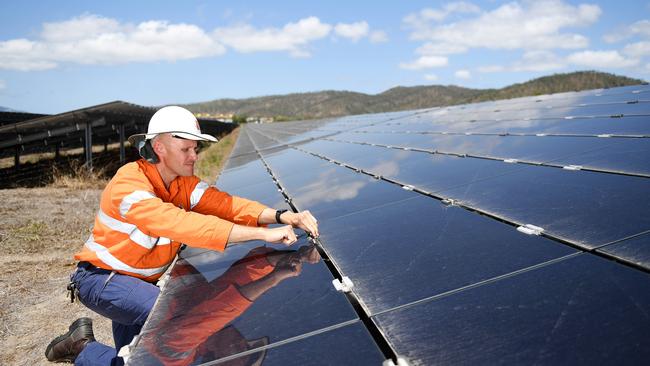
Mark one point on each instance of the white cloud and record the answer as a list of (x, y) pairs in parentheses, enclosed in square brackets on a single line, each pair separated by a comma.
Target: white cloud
[(24, 55), (424, 16), (425, 62), (539, 61), (527, 25), (641, 28), (378, 37), (638, 49), (430, 77), (80, 28), (463, 74), (3, 85), (353, 31), (91, 39), (293, 37), (607, 59), (431, 48)]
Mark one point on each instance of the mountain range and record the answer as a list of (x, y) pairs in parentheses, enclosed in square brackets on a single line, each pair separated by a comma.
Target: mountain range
[(332, 103)]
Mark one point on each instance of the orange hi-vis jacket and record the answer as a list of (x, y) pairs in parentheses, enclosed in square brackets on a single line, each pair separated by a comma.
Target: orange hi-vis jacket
[(140, 224)]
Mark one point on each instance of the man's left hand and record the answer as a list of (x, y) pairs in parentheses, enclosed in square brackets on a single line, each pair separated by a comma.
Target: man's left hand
[(303, 220)]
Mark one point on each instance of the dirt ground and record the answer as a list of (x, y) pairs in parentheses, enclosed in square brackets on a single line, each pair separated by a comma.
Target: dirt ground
[(40, 230)]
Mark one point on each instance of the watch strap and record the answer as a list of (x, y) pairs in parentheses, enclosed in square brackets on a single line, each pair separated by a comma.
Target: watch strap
[(279, 213)]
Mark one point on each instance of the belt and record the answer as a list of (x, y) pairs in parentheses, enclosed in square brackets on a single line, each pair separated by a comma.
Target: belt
[(72, 286)]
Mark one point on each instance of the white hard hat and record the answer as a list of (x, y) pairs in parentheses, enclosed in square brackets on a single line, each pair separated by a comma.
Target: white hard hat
[(175, 120)]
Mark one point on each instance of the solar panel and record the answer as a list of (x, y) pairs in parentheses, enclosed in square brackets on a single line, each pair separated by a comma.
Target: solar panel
[(222, 305), (508, 231), (346, 345), (421, 248), (634, 250), (582, 310), (586, 208)]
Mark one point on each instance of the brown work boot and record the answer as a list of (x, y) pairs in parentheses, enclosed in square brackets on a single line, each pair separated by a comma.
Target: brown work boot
[(66, 347)]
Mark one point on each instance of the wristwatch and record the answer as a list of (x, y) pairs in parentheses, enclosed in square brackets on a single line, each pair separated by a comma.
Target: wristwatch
[(279, 213)]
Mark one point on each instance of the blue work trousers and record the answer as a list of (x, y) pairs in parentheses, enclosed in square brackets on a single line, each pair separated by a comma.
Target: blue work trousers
[(125, 300)]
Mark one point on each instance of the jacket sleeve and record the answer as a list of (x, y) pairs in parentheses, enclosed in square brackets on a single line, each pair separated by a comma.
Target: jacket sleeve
[(136, 203), (232, 208)]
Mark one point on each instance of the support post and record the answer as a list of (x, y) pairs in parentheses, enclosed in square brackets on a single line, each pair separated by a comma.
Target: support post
[(17, 157), (88, 143), (122, 151)]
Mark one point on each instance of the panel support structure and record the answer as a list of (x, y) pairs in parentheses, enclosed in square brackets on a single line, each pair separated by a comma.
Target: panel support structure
[(88, 145), (17, 157), (122, 152)]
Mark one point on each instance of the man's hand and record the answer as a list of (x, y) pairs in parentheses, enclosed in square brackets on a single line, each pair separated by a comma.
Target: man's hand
[(288, 266), (282, 234), (303, 220), (309, 254)]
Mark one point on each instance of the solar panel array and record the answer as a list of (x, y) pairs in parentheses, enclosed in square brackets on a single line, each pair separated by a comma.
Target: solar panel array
[(505, 232)]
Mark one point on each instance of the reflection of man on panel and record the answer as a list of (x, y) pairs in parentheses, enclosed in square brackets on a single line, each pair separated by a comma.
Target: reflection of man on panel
[(146, 211), (192, 322)]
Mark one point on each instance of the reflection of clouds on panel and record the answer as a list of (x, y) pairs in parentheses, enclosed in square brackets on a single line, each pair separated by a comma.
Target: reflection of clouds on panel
[(328, 188)]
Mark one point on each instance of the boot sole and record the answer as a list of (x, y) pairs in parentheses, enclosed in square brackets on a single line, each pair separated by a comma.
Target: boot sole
[(71, 329)]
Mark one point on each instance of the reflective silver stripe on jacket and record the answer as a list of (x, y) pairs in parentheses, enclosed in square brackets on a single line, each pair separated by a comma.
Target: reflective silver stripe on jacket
[(134, 233), (197, 193), (105, 256), (132, 198)]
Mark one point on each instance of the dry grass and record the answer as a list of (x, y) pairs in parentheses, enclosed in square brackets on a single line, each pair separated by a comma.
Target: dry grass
[(78, 177), (212, 159)]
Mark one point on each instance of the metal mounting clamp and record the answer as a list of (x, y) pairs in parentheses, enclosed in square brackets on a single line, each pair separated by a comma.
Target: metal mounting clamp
[(530, 229), (343, 285), (401, 361), (572, 167)]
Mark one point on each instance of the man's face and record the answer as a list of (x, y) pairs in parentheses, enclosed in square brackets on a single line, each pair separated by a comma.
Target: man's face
[(178, 155)]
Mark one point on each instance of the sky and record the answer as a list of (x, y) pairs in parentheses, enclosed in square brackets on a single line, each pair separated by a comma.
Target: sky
[(57, 56)]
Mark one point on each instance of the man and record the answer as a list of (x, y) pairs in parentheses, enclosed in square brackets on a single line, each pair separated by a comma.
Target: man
[(147, 211)]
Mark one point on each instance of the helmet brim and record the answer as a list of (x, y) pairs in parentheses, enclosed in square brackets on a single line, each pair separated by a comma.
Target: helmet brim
[(134, 139)]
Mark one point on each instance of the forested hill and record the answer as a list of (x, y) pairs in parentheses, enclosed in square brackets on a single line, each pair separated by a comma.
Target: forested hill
[(332, 103)]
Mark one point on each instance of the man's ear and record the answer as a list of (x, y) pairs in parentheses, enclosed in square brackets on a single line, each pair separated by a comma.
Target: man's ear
[(158, 147)]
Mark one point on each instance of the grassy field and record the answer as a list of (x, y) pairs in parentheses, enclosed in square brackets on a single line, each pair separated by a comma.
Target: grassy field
[(40, 230)]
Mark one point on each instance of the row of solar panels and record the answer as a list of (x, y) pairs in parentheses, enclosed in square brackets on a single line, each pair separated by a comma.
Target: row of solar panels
[(24, 133), (459, 249)]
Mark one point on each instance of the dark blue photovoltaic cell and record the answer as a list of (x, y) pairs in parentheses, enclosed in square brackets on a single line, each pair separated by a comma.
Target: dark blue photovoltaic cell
[(634, 250), (434, 171), (333, 191), (609, 109), (262, 142), (248, 174), (587, 208), (402, 252), (529, 148), (622, 155), (266, 193), (612, 154), (348, 345), (631, 125), (536, 111), (236, 161), (243, 144), (216, 305), (293, 162), (580, 311)]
